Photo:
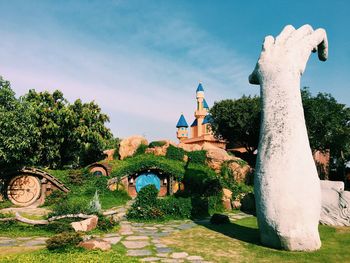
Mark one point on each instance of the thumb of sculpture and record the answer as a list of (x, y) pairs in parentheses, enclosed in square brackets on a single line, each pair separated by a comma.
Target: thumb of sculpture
[(286, 187)]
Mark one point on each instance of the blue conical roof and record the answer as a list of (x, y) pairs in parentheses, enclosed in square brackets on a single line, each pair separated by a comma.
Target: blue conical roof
[(182, 122), (200, 87), (208, 119), (205, 104), (194, 123)]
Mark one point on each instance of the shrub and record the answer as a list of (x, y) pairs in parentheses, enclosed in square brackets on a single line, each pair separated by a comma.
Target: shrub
[(141, 149), (59, 227), (75, 177), (147, 161), (156, 144), (218, 219), (176, 208), (202, 181), (63, 241), (175, 153), (198, 157), (55, 197), (145, 205), (104, 223), (5, 204), (70, 207)]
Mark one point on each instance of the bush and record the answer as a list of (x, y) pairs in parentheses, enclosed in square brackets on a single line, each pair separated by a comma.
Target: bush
[(104, 223), (175, 153), (202, 181), (141, 149), (75, 177), (156, 144), (176, 208), (59, 227), (55, 197), (198, 157), (5, 204), (147, 161), (148, 207), (70, 207), (63, 241), (219, 219)]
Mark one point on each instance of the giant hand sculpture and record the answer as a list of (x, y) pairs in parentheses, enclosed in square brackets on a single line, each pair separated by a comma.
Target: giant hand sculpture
[(287, 188)]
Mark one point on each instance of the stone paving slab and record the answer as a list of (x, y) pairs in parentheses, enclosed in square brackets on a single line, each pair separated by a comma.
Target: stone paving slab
[(135, 244), (138, 252), (150, 259), (137, 238), (112, 240), (178, 255)]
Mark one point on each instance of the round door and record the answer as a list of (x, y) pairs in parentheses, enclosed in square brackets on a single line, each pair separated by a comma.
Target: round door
[(146, 179), (24, 190)]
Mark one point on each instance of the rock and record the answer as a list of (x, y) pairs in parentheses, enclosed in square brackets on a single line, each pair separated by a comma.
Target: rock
[(135, 244), (218, 219), (335, 209), (286, 184), (189, 147), (85, 225), (240, 171), (216, 156), (96, 244), (226, 199), (178, 255), (112, 240), (138, 253), (129, 146), (160, 150), (109, 154)]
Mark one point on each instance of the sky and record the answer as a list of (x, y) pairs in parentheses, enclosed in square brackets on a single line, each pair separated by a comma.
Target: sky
[(141, 61)]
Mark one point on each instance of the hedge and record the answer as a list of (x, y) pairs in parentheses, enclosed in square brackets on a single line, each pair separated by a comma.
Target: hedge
[(156, 144), (175, 153), (198, 157), (149, 161)]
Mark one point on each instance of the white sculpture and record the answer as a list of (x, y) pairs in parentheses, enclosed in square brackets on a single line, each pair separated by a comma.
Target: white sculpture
[(335, 209), (287, 188)]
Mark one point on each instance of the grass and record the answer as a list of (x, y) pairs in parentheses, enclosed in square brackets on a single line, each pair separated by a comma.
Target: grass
[(17, 229), (116, 254), (239, 242)]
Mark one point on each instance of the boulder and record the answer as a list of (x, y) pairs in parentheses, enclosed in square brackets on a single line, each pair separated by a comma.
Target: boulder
[(189, 147), (227, 198), (160, 150), (129, 145), (335, 210), (96, 244), (241, 172), (216, 156), (109, 154), (85, 225)]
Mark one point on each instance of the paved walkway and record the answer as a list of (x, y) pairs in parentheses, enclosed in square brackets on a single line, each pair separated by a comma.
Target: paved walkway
[(142, 240)]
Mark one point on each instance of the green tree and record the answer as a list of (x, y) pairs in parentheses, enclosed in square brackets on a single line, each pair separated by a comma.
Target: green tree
[(327, 121), (44, 129), (70, 134), (17, 132), (238, 122)]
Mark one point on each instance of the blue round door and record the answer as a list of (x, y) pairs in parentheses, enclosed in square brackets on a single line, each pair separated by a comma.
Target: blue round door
[(146, 179)]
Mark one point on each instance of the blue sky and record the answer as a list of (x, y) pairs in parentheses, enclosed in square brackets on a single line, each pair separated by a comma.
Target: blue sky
[(141, 61)]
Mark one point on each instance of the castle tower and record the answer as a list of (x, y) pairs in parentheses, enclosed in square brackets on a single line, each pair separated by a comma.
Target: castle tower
[(200, 113), (182, 132)]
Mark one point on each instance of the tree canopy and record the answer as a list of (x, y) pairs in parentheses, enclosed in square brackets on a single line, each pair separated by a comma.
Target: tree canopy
[(327, 121), (44, 129)]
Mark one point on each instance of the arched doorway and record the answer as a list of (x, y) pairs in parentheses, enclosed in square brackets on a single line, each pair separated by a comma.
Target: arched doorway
[(147, 178)]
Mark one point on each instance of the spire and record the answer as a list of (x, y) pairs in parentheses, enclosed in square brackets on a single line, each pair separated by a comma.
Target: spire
[(208, 119), (182, 122), (200, 88), (205, 104)]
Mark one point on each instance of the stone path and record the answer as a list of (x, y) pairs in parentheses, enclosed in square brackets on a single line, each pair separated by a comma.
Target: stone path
[(141, 240)]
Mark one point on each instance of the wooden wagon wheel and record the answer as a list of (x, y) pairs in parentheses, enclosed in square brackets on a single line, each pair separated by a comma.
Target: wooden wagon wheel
[(24, 190)]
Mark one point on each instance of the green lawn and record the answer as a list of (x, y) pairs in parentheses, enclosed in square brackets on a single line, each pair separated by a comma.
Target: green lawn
[(239, 242), (116, 254)]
